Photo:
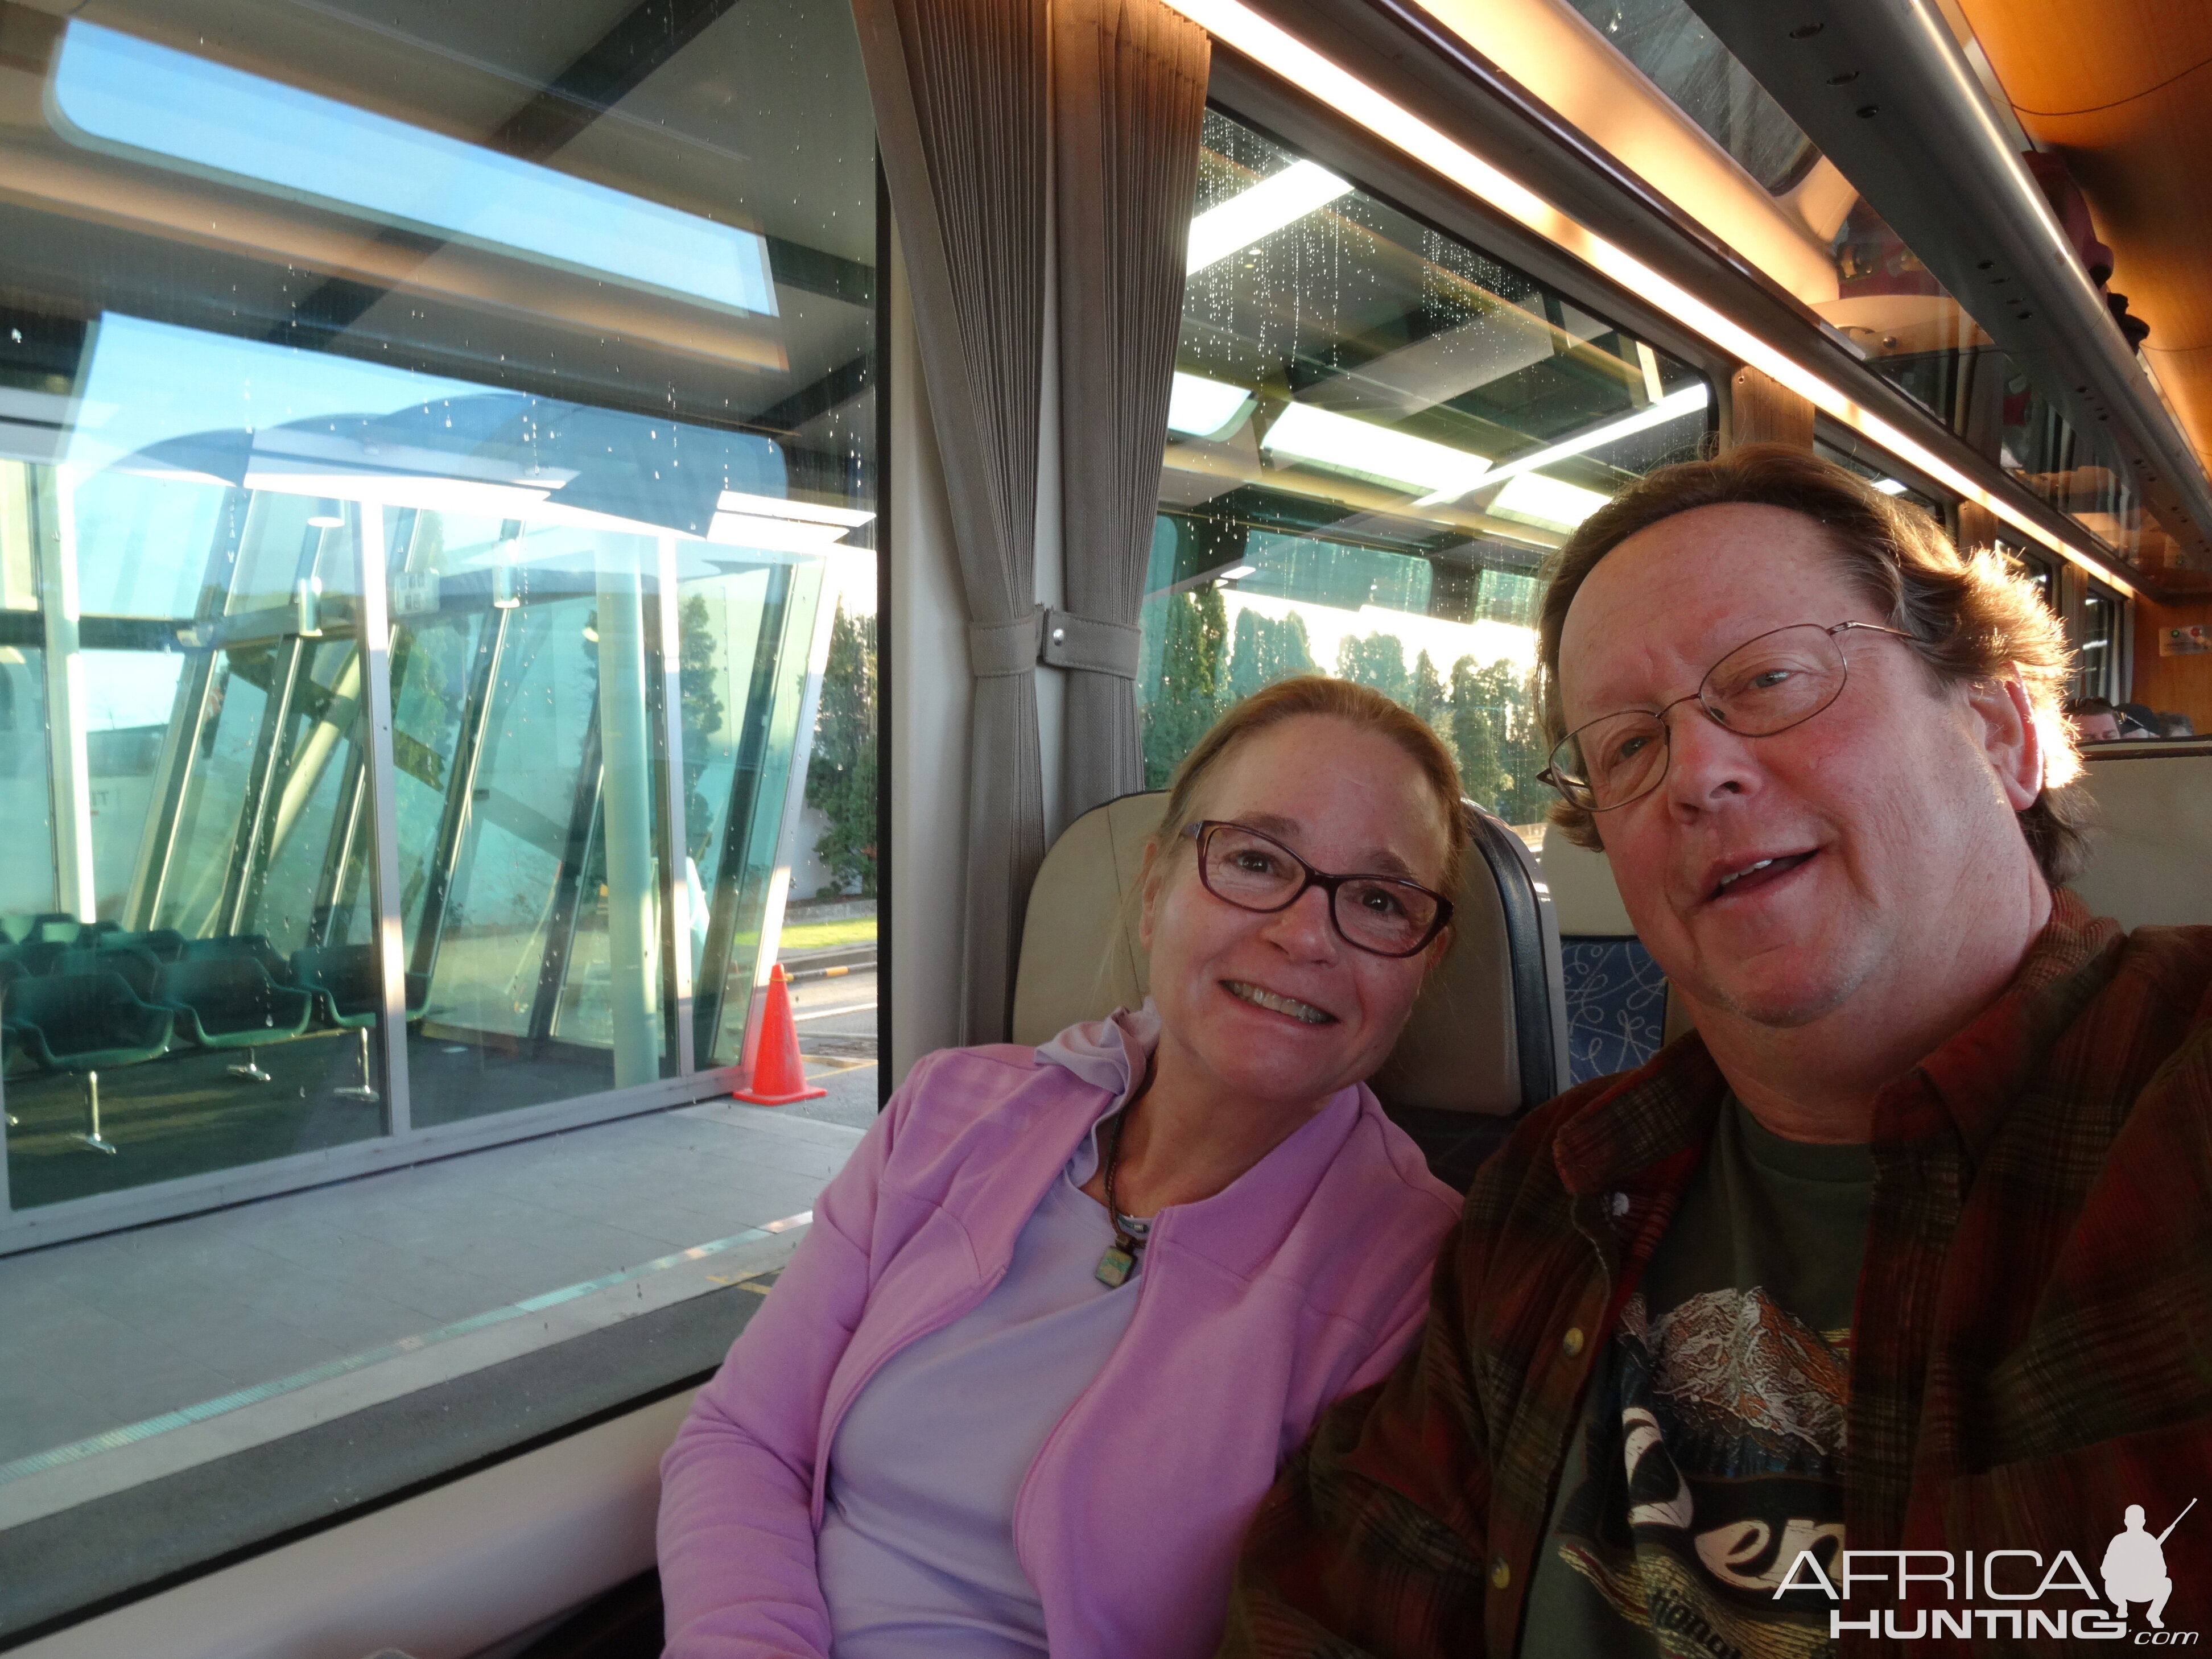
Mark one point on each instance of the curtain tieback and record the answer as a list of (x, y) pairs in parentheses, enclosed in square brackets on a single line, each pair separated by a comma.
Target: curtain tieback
[(1060, 638), (1090, 643), (995, 649)]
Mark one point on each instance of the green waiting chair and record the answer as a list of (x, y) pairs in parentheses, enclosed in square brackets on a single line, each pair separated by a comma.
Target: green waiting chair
[(140, 968), (34, 955), (345, 983), (228, 1002), (80, 1023), (255, 947), (165, 943)]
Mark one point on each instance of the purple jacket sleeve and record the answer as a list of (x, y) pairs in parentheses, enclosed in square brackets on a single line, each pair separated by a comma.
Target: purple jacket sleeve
[(737, 1571)]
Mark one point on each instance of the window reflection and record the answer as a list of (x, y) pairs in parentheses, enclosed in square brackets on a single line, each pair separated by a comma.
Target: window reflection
[(1376, 433), (1669, 43), (348, 321), (1889, 307)]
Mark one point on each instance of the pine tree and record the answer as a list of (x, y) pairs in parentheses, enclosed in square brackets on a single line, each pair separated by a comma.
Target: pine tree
[(1432, 703), (1194, 682), (840, 779), (1509, 700), (1378, 660), (1474, 734), (1265, 651), (702, 714)]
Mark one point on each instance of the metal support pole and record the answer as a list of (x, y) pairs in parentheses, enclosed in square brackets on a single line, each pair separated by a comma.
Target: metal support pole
[(91, 1137), (376, 681), (676, 884), (365, 1089), (794, 790), (54, 535), (626, 758)]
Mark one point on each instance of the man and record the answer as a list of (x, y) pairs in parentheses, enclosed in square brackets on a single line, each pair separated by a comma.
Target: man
[(2093, 720), (1905, 1248), (2135, 1568)]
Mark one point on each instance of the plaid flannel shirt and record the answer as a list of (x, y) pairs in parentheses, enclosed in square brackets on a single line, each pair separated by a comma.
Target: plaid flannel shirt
[(2031, 1347)]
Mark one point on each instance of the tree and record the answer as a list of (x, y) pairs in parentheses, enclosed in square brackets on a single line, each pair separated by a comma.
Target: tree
[(702, 707), (1510, 699), (1194, 681), (1474, 734), (1265, 651), (1378, 660), (1431, 704), (840, 779)]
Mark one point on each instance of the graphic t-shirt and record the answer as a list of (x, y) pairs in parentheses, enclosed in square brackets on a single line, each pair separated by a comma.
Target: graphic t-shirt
[(1711, 1450)]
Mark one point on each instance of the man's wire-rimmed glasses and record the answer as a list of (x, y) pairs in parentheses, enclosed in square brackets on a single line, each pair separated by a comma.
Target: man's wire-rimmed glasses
[(1382, 916), (1765, 685)]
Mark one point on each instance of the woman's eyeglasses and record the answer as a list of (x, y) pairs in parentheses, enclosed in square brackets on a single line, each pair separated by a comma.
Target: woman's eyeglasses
[(1765, 685), (1383, 915)]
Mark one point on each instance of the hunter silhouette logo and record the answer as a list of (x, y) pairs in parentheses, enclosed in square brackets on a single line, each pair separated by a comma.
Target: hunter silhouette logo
[(2133, 1571), (2135, 1566)]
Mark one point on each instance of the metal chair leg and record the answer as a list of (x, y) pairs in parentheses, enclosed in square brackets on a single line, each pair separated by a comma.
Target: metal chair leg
[(366, 1089), (250, 1071), (92, 1137)]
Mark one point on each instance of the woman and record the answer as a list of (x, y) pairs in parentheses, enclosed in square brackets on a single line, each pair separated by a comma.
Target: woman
[(1065, 1310)]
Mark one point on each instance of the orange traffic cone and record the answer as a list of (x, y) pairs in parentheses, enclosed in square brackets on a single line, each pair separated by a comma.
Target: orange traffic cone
[(779, 1074)]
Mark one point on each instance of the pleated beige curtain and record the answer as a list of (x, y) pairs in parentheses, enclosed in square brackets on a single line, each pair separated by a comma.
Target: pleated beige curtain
[(961, 90), (1129, 97), (966, 119)]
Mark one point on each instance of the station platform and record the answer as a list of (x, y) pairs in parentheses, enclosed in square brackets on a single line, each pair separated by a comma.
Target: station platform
[(139, 1354)]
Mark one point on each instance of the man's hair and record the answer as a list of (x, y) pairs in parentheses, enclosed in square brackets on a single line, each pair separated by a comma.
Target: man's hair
[(2091, 706), (1355, 705), (1968, 616)]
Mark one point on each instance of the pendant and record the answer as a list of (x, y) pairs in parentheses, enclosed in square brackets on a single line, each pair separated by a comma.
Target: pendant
[(1115, 1267)]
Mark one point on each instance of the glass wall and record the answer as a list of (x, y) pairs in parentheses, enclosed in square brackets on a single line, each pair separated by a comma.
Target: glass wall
[(426, 438), (1377, 434)]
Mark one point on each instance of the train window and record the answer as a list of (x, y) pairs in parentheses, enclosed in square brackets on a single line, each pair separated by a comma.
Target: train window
[(1855, 459), (434, 442), (2036, 566), (1377, 433), (2097, 639)]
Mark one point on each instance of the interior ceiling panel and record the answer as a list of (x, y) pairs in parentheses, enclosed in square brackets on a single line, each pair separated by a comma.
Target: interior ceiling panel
[(2123, 90)]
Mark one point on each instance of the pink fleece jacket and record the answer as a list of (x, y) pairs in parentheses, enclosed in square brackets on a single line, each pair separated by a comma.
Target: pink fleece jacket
[(1302, 1281)]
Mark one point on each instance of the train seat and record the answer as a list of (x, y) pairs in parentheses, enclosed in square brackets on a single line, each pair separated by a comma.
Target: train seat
[(1620, 1010), (1486, 1040), (2152, 833)]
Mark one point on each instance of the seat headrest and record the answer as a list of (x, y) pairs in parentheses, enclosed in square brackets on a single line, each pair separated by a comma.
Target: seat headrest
[(2151, 835), (1487, 1035), (1583, 895)]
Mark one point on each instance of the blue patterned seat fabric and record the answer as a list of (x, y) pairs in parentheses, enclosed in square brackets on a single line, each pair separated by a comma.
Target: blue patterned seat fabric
[(1616, 1006)]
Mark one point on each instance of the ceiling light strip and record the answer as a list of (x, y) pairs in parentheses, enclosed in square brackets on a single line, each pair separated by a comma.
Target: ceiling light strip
[(1258, 212), (1328, 83)]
